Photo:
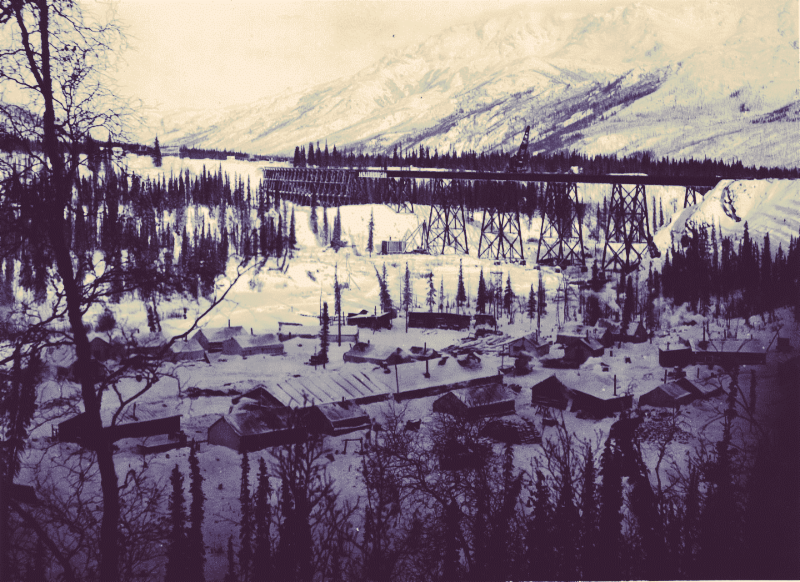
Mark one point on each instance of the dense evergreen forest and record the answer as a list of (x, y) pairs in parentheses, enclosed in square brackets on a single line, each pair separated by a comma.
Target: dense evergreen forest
[(498, 161), (179, 229)]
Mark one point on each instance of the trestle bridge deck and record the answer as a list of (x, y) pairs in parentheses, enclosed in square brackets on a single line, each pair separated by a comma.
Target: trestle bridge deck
[(502, 196)]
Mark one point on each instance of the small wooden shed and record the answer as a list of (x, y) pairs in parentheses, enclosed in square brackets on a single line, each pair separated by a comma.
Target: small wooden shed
[(584, 349), (550, 392), (477, 402), (596, 406), (667, 395)]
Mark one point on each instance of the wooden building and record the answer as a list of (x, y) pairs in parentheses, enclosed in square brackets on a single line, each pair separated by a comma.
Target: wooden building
[(675, 356), (211, 338), (551, 392), (251, 345), (667, 395), (186, 351), (728, 352), (254, 430), (366, 320), (699, 389), (598, 405), (478, 402), (584, 349), (393, 247), (527, 344)]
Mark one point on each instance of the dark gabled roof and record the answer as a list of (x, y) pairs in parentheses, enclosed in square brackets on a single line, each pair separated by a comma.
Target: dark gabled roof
[(550, 383)]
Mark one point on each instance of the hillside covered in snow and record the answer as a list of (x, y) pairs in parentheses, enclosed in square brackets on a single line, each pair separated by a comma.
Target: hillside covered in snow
[(717, 80)]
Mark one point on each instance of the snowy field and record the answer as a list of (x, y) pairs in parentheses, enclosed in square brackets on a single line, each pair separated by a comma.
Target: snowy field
[(259, 301)]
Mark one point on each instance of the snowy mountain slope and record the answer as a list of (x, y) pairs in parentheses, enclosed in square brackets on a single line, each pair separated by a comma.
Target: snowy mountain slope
[(690, 79), (768, 206)]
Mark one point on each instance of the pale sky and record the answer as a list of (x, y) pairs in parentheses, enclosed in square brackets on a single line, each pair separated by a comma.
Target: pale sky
[(207, 54)]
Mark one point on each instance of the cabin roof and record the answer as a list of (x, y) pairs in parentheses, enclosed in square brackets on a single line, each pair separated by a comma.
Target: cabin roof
[(339, 411), (218, 334), (256, 421), (254, 341), (483, 395), (183, 346)]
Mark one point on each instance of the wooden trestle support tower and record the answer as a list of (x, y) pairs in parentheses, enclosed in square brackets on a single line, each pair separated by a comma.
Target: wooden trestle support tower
[(627, 230), (561, 234)]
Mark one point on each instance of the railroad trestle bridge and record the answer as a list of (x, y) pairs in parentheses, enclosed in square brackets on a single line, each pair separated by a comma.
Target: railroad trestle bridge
[(502, 197)]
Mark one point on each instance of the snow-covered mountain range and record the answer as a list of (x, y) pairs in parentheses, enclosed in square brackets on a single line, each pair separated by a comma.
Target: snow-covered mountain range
[(685, 79)]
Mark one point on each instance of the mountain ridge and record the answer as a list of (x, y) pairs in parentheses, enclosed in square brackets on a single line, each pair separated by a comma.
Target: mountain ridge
[(689, 82)]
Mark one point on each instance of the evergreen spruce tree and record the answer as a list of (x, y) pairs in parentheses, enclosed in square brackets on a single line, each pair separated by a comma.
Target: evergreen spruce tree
[(176, 550), (431, 293), (384, 296), (292, 233), (296, 160), (508, 296), (482, 296), (325, 231), (312, 159), (246, 522), (408, 292), (196, 551), (441, 294), (157, 154), (262, 513), (531, 304), (541, 303), (660, 214), (461, 293), (313, 217), (336, 237), (324, 335), (371, 234), (337, 305)]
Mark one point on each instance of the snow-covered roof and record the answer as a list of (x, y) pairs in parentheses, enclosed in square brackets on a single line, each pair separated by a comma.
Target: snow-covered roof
[(483, 395), (218, 334), (673, 390), (339, 411), (183, 346), (254, 341), (256, 421)]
